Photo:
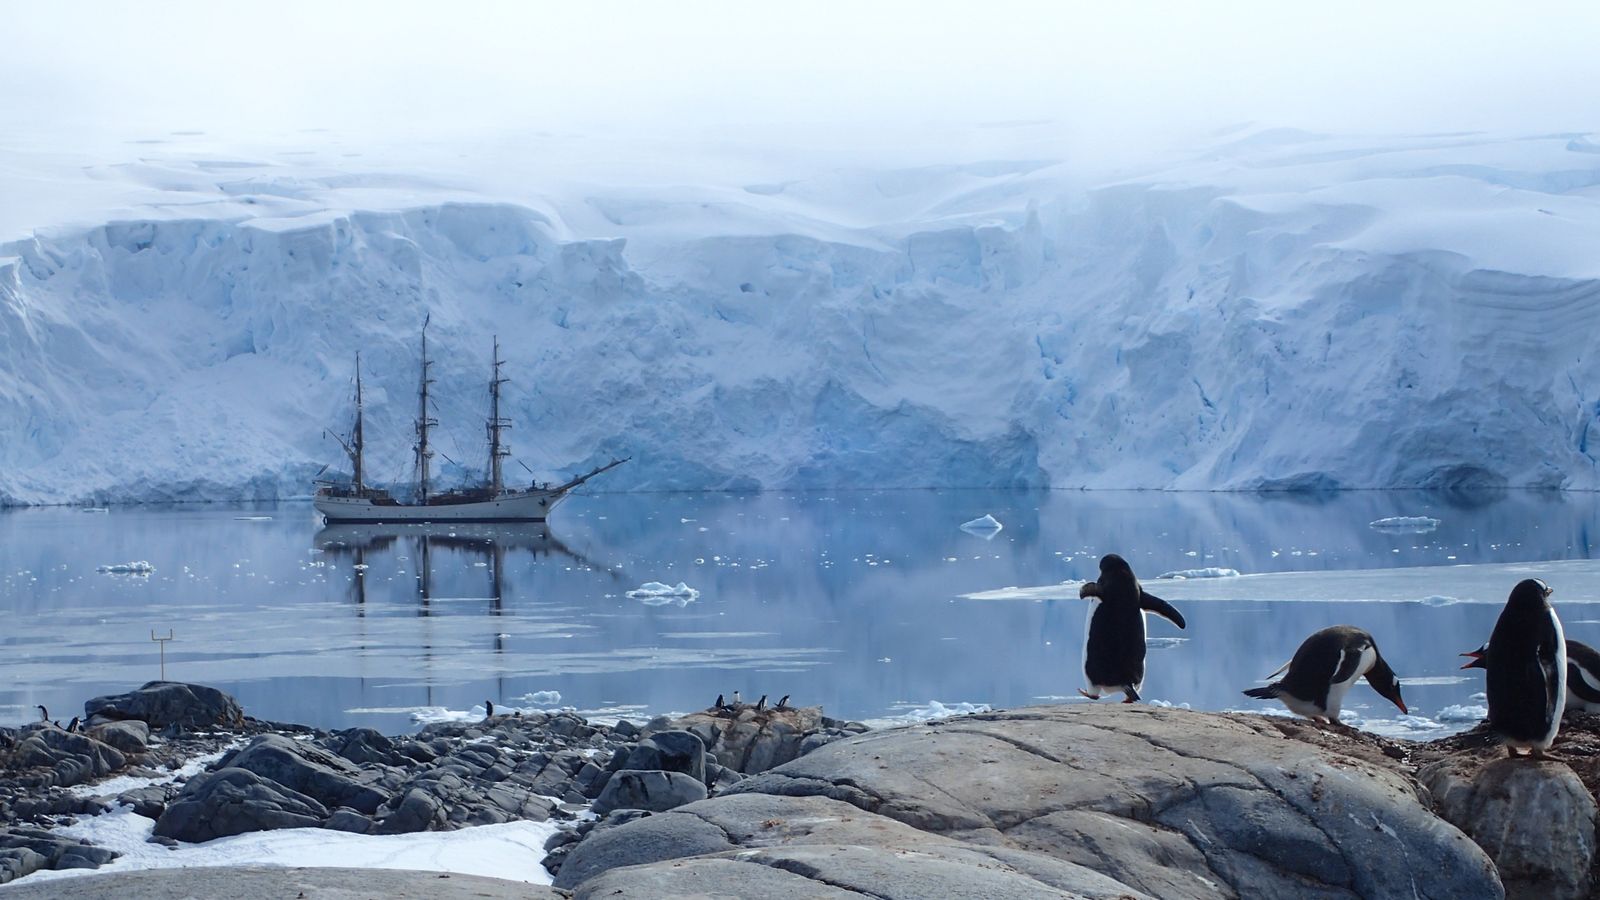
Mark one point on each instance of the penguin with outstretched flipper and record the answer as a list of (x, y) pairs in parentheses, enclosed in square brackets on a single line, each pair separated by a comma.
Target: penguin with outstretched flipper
[(1114, 630)]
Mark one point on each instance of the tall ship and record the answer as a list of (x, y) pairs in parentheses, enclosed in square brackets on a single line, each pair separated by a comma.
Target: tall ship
[(493, 501)]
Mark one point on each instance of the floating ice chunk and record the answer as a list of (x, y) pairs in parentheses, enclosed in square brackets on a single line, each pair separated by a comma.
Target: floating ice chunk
[(1163, 643), (540, 698), (655, 593), (986, 527), (1207, 572), (137, 567), (1438, 600), (912, 715), (1167, 704), (1463, 712), (93, 509), (1405, 524), (252, 518)]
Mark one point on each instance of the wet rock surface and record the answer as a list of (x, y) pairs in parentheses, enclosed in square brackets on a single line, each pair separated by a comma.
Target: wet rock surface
[(167, 704)]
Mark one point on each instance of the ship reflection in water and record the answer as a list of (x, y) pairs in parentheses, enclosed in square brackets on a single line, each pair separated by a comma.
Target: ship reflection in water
[(484, 546)]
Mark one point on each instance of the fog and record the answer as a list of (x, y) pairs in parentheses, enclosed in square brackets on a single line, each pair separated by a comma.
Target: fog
[(837, 78)]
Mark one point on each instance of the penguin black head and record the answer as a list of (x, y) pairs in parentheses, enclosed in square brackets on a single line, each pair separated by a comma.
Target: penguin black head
[(1530, 594), (1383, 680), (1112, 564), (1476, 657)]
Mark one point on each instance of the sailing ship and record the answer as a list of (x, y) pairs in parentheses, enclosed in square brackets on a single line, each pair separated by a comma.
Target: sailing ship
[(358, 502)]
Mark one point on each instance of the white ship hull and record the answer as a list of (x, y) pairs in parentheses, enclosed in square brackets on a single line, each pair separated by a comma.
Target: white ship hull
[(530, 506)]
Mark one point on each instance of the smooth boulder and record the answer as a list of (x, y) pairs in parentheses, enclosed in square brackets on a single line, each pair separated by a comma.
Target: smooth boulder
[(164, 704), (1535, 819), (651, 790), (236, 801), (1163, 802)]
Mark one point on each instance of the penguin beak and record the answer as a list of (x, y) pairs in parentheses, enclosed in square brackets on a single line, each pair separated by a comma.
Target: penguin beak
[(1402, 705), (1548, 590), (1474, 655)]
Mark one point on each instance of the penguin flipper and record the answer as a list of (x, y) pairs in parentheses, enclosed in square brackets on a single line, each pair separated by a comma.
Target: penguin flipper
[(1280, 670), (1349, 661), (1151, 603), (1548, 670)]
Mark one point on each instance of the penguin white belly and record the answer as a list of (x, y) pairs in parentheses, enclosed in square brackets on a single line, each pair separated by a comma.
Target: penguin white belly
[(1560, 675), (1574, 702), (1338, 689), (1299, 707)]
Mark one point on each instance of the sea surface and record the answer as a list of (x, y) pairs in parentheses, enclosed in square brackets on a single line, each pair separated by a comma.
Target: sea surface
[(876, 605)]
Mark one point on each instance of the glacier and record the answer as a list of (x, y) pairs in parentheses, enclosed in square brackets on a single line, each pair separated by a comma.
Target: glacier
[(1279, 310)]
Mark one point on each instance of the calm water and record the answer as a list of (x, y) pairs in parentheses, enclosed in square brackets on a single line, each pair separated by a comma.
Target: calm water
[(851, 600)]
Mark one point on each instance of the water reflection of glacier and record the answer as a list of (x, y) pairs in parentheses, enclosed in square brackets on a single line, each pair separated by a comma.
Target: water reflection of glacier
[(853, 600)]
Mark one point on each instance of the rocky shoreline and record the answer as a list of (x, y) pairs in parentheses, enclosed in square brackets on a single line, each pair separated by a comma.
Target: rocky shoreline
[(1076, 800)]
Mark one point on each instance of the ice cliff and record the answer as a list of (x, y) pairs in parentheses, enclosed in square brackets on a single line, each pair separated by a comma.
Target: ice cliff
[(1282, 311)]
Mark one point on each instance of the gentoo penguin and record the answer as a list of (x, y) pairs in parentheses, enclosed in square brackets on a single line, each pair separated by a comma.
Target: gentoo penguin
[(1583, 674), (762, 703), (1527, 664), (1114, 630), (1583, 678), (488, 706), (719, 704), (44, 714), (72, 727), (736, 701), (783, 702), (1323, 670)]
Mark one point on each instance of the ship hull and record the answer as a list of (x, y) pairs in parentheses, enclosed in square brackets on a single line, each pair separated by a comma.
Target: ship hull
[(532, 506)]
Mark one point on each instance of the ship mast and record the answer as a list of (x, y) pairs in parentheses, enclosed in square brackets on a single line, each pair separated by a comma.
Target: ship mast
[(357, 439), (497, 449), (423, 422)]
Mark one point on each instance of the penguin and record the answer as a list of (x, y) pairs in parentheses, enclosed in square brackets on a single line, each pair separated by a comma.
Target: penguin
[(1322, 671), (736, 701), (1527, 665), (1583, 678), (72, 727), (1583, 674), (488, 706), (44, 714), (762, 703), (719, 704), (1114, 630), (783, 702)]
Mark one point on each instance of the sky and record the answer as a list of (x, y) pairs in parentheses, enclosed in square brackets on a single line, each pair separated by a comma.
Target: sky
[(866, 77)]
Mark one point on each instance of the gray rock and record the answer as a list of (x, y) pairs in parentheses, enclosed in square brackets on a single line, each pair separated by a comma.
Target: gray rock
[(1535, 819), (236, 801), (131, 737), (655, 791), (167, 703), (279, 882), (417, 810), (63, 758), (308, 769), (670, 751), (625, 729), (149, 802), (366, 746), (870, 855), (27, 850), (347, 819), (747, 740), (1156, 802)]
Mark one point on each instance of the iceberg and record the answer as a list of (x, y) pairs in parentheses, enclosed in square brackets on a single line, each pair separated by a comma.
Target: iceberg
[(1207, 572), (655, 593), (986, 527), (1406, 524), (137, 567)]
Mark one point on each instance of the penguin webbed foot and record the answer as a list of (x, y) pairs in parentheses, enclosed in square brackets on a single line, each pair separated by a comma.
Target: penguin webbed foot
[(1130, 695), (1089, 695)]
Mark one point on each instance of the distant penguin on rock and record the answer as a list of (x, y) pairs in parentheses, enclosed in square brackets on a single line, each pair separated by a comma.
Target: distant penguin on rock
[(719, 704), (1583, 674), (1323, 670), (44, 714), (1114, 630), (783, 702), (1527, 670), (488, 706)]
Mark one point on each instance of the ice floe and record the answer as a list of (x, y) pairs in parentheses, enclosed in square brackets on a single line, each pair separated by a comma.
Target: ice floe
[(1207, 572), (1406, 524), (137, 567), (656, 593), (986, 527)]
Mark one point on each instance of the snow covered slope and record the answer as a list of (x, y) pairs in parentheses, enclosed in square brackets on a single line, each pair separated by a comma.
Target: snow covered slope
[(1283, 310)]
